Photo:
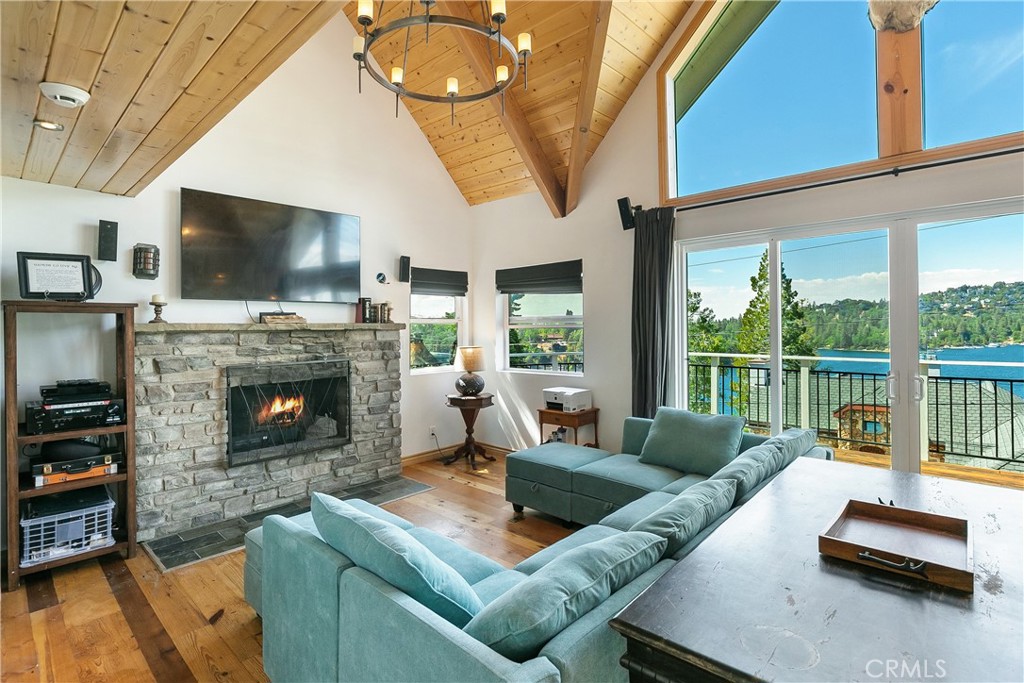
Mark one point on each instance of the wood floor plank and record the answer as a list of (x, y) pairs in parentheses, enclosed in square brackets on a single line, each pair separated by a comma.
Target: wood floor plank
[(19, 660), (56, 660), (41, 591), (155, 644)]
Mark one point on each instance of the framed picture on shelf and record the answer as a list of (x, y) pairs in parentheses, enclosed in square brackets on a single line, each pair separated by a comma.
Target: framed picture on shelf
[(58, 277)]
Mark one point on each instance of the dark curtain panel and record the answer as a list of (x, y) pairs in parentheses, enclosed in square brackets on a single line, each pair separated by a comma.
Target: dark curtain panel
[(652, 263)]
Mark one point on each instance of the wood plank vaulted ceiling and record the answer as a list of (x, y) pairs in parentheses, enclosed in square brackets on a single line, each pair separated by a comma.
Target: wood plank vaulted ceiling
[(163, 73)]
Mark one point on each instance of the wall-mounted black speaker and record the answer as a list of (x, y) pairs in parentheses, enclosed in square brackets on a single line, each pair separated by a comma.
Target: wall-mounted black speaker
[(404, 268), (106, 249), (626, 213)]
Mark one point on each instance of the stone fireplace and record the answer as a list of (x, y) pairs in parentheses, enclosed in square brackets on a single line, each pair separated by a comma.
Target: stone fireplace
[(206, 452)]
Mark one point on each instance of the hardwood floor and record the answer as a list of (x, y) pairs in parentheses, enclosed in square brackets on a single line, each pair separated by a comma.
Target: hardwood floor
[(123, 620)]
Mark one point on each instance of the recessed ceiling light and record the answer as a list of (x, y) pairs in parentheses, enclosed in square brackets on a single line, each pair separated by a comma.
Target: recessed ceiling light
[(48, 125)]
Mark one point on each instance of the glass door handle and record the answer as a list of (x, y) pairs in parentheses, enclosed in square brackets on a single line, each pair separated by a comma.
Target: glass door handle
[(918, 388), (892, 384)]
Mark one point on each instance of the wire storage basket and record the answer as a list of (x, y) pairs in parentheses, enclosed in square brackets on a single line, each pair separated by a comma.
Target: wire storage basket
[(65, 524)]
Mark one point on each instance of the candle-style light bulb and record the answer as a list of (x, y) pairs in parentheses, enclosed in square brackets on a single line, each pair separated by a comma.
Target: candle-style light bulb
[(501, 74), (364, 12), (498, 10), (397, 74), (358, 45), (525, 44), (453, 86)]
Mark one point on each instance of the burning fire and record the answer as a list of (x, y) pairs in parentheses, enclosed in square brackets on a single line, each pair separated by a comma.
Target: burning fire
[(283, 411)]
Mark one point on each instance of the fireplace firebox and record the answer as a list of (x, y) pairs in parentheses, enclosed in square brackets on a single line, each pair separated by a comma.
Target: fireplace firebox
[(276, 410)]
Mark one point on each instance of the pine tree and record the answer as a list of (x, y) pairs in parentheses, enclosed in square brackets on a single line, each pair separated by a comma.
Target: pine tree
[(702, 336), (754, 323)]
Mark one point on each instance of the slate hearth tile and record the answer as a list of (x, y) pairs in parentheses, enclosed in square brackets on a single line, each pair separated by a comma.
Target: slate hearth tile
[(216, 548), (204, 540), (177, 559), (234, 534), (165, 542), (203, 530)]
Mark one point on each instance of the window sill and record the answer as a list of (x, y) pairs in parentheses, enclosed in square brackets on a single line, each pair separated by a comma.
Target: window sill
[(439, 370), (543, 373)]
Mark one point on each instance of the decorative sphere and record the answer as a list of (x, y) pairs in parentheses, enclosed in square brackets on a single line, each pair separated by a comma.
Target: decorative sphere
[(469, 384)]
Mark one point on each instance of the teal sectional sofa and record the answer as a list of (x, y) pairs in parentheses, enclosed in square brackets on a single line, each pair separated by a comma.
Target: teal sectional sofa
[(351, 592), (584, 485)]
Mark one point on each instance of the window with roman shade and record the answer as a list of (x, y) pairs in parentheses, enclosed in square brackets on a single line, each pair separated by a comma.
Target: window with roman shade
[(544, 316), (435, 316)]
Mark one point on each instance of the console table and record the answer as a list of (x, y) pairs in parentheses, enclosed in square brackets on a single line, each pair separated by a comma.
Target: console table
[(755, 601), (470, 407)]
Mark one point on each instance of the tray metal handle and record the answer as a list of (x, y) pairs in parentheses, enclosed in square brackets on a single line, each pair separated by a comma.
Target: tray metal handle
[(907, 565)]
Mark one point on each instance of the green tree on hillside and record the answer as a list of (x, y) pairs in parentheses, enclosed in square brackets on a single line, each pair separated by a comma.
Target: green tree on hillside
[(702, 335), (753, 334)]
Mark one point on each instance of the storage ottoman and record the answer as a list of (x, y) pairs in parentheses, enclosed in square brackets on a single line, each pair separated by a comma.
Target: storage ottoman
[(541, 477)]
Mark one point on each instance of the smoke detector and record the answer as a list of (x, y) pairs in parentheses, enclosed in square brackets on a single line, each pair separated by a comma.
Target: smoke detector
[(62, 95)]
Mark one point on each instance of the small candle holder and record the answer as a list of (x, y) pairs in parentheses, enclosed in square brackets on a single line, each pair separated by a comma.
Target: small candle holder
[(158, 308)]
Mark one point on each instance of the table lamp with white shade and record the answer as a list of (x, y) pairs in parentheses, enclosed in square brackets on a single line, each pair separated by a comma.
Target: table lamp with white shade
[(471, 358)]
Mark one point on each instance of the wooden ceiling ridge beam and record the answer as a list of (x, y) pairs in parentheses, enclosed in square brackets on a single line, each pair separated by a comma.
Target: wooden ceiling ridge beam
[(513, 118), (599, 14)]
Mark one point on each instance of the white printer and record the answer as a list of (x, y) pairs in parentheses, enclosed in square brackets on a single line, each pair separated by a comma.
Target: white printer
[(567, 399)]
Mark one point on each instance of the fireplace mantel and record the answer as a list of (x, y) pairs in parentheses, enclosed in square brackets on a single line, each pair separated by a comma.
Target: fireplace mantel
[(159, 328)]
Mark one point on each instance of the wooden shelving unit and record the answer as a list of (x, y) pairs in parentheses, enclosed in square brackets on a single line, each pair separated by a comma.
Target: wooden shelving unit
[(122, 484)]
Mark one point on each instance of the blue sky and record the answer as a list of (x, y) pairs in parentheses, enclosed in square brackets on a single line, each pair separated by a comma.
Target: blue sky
[(800, 94)]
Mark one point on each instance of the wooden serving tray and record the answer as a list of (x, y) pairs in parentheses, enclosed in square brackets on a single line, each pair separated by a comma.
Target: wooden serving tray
[(911, 543)]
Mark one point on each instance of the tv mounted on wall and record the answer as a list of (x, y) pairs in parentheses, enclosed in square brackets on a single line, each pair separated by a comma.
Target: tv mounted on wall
[(233, 248)]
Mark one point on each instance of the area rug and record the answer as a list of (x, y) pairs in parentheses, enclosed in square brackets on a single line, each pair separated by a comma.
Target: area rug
[(202, 543)]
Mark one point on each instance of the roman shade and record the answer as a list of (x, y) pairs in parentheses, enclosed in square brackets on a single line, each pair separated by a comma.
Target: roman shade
[(439, 282), (734, 26), (564, 277)]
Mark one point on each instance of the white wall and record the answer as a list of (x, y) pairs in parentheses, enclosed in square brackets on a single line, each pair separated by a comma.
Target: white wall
[(303, 137), (521, 231)]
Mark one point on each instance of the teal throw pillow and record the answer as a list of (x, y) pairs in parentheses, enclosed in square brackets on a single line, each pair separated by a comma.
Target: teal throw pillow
[(793, 443), (395, 556), (689, 442), (519, 622), (750, 468), (689, 513)]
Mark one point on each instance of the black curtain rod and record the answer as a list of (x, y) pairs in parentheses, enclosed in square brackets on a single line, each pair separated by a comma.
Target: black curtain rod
[(839, 181)]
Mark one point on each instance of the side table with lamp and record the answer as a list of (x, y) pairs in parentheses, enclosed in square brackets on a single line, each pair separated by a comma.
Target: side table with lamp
[(470, 401)]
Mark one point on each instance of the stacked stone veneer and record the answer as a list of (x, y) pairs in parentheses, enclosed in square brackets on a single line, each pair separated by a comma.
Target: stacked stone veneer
[(182, 474)]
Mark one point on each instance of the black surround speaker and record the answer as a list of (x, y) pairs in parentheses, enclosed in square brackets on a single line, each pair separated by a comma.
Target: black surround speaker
[(404, 268), (626, 214), (106, 249)]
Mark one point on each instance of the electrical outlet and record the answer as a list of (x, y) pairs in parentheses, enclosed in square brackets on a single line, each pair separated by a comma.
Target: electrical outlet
[(433, 431)]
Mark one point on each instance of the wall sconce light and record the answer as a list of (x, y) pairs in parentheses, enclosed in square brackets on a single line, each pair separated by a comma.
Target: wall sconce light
[(146, 261)]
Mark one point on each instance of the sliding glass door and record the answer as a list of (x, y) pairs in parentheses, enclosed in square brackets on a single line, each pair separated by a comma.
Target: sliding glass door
[(900, 340)]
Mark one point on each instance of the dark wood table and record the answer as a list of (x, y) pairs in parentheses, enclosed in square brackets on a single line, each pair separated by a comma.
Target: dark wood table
[(572, 420), (755, 601), (470, 407)]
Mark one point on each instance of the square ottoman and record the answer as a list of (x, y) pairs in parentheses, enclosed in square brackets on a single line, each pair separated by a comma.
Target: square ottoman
[(541, 477)]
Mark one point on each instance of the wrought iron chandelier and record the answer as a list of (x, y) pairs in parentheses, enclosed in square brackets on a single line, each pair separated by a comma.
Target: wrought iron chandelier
[(517, 55)]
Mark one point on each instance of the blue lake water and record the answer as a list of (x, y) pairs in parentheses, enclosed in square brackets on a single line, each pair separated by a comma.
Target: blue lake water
[(985, 354)]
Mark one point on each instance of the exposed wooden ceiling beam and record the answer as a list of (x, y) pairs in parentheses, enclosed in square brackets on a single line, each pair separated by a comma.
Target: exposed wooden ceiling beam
[(513, 118), (597, 32)]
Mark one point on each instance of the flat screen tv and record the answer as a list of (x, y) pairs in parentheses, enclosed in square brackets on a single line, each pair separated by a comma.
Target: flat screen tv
[(235, 249)]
